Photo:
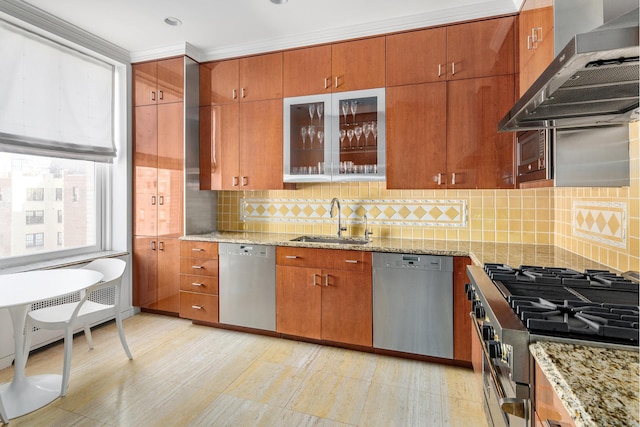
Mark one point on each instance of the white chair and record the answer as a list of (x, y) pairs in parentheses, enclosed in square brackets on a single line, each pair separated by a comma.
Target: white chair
[(84, 312), (3, 414)]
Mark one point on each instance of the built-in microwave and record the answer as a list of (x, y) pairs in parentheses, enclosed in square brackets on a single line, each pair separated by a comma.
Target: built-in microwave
[(533, 150)]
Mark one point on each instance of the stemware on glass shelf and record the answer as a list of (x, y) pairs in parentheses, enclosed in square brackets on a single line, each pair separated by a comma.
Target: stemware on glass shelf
[(312, 133), (320, 110), (350, 137), (320, 137), (366, 128), (358, 132), (303, 133), (353, 106), (312, 109), (342, 134), (374, 131), (345, 109)]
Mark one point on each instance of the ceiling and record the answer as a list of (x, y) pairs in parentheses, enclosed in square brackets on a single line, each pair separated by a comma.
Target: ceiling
[(213, 29)]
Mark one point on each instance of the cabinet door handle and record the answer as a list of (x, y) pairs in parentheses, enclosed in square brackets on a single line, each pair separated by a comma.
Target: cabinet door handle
[(234, 94), (337, 77), (152, 95), (326, 280), (200, 285), (161, 200), (235, 181), (197, 267), (161, 246), (529, 47), (243, 92), (326, 82), (160, 95), (196, 307), (351, 261), (153, 245), (536, 34), (153, 200), (197, 249), (439, 70), (453, 68), (453, 178), (245, 181), (315, 276), (438, 179), (291, 256)]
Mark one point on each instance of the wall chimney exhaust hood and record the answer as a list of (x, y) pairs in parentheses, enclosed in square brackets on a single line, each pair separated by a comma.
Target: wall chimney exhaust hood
[(593, 81)]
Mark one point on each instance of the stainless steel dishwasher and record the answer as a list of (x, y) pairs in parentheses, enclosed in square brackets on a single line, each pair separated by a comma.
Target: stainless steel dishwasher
[(247, 285), (413, 304)]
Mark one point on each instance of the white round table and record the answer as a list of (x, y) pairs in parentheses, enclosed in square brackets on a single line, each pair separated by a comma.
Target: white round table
[(17, 292)]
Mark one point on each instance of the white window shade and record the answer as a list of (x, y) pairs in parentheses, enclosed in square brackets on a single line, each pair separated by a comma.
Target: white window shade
[(54, 101)]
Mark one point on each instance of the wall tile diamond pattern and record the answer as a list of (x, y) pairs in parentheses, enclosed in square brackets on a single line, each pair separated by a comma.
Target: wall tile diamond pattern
[(604, 222)]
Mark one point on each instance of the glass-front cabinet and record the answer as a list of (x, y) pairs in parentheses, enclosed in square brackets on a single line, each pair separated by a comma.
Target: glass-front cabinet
[(336, 137)]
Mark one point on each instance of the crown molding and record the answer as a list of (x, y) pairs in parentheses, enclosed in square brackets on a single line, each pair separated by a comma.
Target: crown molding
[(21, 13)]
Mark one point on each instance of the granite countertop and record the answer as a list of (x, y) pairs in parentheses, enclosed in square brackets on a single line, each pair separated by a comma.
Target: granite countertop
[(598, 386), (480, 253)]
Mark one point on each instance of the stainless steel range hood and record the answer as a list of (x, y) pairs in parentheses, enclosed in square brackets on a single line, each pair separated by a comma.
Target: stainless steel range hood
[(593, 81)]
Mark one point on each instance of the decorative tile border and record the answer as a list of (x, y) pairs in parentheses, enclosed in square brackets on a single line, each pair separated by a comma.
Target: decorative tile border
[(432, 213), (604, 222)]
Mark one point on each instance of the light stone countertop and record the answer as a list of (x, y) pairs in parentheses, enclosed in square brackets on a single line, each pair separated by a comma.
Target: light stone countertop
[(598, 386)]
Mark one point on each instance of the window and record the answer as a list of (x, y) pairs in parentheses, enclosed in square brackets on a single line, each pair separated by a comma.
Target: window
[(59, 216), (59, 238), (35, 217), (75, 194), (59, 194), (35, 194), (34, 240)]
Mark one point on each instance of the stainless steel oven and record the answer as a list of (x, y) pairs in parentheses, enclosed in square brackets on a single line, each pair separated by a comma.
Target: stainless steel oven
[(533, 159)]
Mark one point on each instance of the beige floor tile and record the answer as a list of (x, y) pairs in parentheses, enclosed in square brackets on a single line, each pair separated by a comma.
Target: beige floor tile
[(460, 383), (345, 363), (268, 383), (230, 411), (388, 405), (292, 353), (53, 416), (463, 413), (298, 419), (331, 396), (411, 374)]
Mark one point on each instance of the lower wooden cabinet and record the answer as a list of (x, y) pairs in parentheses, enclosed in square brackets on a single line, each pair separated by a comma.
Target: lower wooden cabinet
[(331, 304), (156, 273), (199, 281), (549, 409), (462, 327)]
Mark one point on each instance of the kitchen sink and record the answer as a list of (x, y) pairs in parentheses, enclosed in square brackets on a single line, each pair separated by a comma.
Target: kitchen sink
[(331, 240)]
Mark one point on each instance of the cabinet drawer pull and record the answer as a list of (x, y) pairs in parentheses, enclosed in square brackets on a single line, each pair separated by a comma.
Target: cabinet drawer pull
[(152, 95), (326, 82), (243, 93), (245, 181), (197, 267), (439, 70), (291, 257), (453, 178), (235, 181), (161, 246), (351, 261), (153, 245), (315, 276), (197, 249), (326, 280), (337, 84), (161, 200), (234, 94), (153, 200), (200, 285), (160, 95), (197, 307), (453, 68)]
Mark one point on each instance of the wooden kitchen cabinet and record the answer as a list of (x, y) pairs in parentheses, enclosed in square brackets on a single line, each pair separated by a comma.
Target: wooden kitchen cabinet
[(462, 51), (248, 79), (535, 41), (199, 281), (417, 57), (324, 294), (462, 327), (339, 67), (481, 48), (158, 82), (241, 146), (416, 146), (158, 183), (548, 406), (477, 155)]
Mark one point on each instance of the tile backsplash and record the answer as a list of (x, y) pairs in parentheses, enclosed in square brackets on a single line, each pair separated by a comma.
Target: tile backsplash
[(600, 223)]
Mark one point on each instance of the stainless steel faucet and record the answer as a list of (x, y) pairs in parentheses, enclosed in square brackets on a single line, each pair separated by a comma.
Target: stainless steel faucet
[(335, 201), (367, 233)]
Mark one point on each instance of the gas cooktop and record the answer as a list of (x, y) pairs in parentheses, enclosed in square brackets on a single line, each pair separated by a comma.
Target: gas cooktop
[(594, 305)]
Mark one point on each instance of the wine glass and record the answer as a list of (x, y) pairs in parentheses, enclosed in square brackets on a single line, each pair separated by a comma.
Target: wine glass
[(374, 131), (358, 132), (353, 106), (303, 133), (312, 109), (345, 108), (350, 136), (312, 134), (320, 136), (320, 110), (342, 134), (366, 128)]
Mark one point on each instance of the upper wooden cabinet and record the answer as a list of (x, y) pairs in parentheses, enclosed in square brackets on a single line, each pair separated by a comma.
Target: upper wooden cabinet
[(417, 57), (339, 67), (241, 80), (462, 51), (535, 41), (481, 48), (158, 82)]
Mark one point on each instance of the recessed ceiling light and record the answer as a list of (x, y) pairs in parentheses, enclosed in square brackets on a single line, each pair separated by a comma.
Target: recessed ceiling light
[(279, 1), (174, 22)]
